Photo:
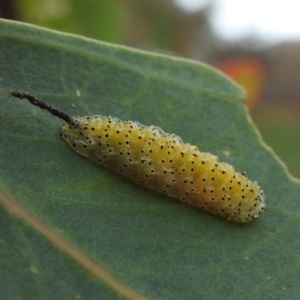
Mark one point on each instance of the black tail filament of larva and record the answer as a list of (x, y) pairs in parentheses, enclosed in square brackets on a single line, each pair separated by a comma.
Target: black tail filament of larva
[(42, 105)]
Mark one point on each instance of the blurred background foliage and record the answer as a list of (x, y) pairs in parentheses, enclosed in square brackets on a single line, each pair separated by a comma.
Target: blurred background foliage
[(269, 73)]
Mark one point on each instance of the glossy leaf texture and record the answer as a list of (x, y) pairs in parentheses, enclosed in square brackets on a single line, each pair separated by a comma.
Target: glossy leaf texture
[(71, 229)]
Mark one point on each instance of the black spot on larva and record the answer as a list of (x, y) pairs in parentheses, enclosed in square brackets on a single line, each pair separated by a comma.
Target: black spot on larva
[(74, 145), (213, 170), (213, 178), (203, 162), (106, 135), (84, 146), (203, 179), (223, 172)]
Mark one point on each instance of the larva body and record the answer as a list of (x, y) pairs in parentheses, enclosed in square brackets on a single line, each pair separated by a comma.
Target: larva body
[(162, 162)]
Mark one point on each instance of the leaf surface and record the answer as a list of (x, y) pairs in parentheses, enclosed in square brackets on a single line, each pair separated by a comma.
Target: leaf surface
[(60, 211)]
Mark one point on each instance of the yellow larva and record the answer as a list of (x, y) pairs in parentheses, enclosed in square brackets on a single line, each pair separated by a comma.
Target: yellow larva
[(162, 162)]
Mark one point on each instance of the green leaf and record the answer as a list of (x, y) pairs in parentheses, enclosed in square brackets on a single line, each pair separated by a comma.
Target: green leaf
[(71, 229)]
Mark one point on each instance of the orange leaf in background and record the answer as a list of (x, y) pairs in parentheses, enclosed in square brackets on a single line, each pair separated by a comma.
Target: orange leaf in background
[(249, 72)]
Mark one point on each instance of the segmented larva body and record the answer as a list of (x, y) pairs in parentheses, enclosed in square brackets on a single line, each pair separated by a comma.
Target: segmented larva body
[(162, 162)]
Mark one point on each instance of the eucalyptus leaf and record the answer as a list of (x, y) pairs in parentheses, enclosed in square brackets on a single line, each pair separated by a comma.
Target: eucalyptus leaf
[(71, 229)]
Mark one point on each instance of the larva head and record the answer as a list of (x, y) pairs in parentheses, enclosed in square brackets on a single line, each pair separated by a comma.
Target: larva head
[(251, 205), (242, 200)]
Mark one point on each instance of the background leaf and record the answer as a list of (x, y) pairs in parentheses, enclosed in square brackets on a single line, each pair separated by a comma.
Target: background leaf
[(157, 246)]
